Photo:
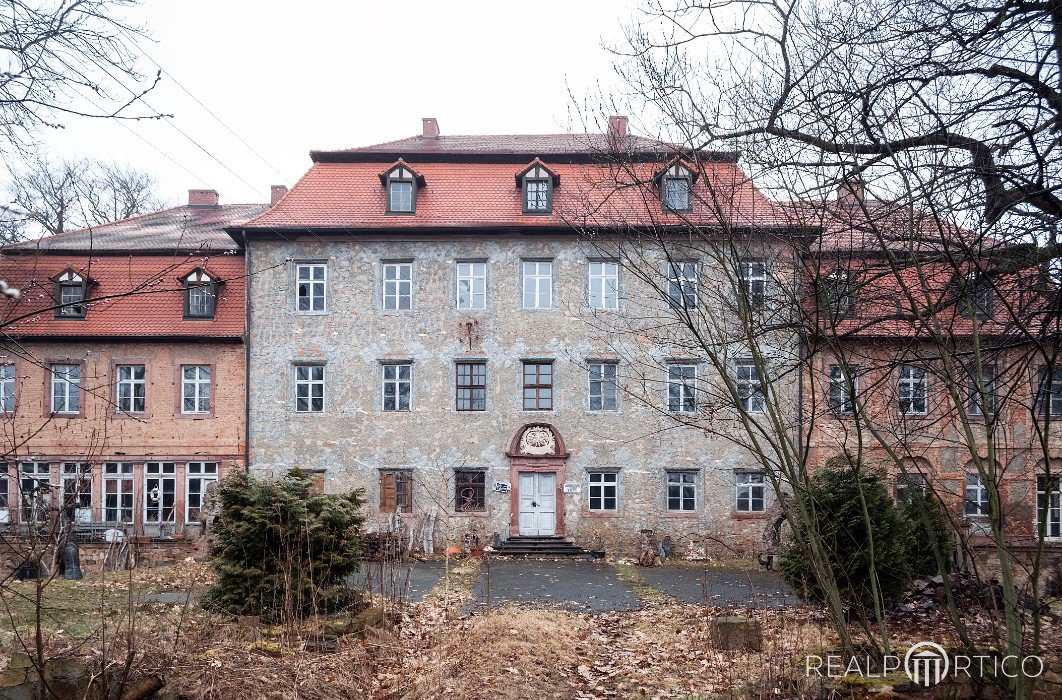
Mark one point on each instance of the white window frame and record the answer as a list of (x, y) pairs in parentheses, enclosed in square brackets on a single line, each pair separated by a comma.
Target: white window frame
[(202, 474), (911, 379), (538, 283), (988, 379), (753, 274), (977, 504), (120, 476), (746, 487), (202, 390), (686, 386), (841, 397), (681, 285), (597, 493), (1051, 500), (316, 289), (396, 291), (599, 383), (77, 473), (7, 387), (40, 474), (395, 383), (686, 483), (602, 290), (311, 383), (130, 383), (161, 474), (749, 385), (69, 402), (471, 284)]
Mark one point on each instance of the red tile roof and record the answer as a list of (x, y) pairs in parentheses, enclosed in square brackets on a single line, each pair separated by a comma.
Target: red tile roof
[(538, 144), (183, 229), (134, 296)]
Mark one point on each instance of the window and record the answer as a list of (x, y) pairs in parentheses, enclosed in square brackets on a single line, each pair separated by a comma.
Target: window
[(835, 294), (750, 389), (538, 284), (7, 388), (66, 388), (753, 282), (982, 402), (842, 394), (396, 491), (604, 392), (35, 490), (471, 285), (160, 487), (70, 294), (913, 391), (676, 189), (1050, 394), (682, 388), (907, 485), (470, 491), (118, 492), (538, 386), (200, 475), (397, 286), (604, 285), (681, 491), (976, 496), (538, 190), (200, 295), (471, 386), (311, 279), (309, 388), (682, 285), (131, 389), (402, 190), (5, 505), (750, 492), (397, 387), (976, 296), (77, 491), (602, 494), (1049, 506), (195, 389)]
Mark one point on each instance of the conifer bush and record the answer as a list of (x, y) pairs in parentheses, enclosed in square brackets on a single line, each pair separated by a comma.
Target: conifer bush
[(842, 525), (280, 551), (930, 534)]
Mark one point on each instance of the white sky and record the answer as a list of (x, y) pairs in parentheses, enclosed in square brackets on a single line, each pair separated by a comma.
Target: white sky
[(290, 77)]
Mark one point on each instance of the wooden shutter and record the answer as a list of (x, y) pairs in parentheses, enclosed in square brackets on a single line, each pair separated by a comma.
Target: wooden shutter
[(388, 491)]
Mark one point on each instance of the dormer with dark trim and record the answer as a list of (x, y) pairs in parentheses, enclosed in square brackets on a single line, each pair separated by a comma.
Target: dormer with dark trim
[(676, 187), (200, 295), (401, 183), (537, 183), (71, 293)]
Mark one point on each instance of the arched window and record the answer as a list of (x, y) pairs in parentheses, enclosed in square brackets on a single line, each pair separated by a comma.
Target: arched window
[(537, 183), (70, 294), (676, 188), (200, 294), (402, 184)]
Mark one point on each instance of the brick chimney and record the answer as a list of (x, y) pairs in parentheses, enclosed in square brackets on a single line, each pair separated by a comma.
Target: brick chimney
[(202, 198), (275, 193), (431, 127), (617, 127), (852, 191)]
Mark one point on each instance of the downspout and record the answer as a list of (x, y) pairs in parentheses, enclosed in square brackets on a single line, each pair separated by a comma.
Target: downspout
[(246, 352)]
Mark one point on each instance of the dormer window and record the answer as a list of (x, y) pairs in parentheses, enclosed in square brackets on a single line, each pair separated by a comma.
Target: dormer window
[(537, 183), (71, 292), (676, 188), (402, 184), (200, 295)]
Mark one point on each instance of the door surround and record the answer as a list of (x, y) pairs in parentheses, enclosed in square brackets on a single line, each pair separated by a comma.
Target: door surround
[(536, 447)]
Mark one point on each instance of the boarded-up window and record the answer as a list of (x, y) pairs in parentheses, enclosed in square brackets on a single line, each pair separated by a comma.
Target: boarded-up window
[(396, 491)]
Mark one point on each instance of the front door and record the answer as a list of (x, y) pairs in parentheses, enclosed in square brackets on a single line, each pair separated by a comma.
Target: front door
[(538, 503)]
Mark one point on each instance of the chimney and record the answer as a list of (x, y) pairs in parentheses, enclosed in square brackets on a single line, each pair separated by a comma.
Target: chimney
[(852, 191), (202, 198), (617, 127), (275, 193), (431, 127)]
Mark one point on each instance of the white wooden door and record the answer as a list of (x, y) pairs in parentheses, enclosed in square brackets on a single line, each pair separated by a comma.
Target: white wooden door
[(538, 504)]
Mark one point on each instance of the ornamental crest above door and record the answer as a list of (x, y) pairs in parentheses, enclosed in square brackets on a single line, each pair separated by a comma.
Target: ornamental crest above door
[(537, 440)]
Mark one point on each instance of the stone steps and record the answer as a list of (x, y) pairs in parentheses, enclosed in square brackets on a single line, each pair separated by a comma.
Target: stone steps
[(543, 546)]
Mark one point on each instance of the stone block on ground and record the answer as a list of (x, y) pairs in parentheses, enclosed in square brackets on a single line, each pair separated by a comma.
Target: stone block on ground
[(737, 634)]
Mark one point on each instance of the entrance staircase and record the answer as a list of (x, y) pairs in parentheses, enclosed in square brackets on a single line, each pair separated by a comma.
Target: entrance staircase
[(543, 546)]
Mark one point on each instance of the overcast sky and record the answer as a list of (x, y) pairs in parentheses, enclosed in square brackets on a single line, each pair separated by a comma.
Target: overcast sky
[(290, 77)]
